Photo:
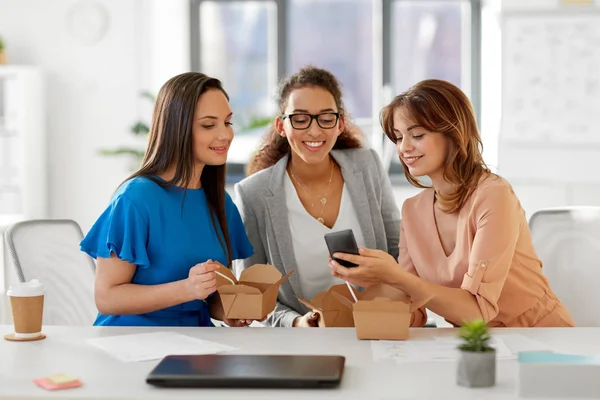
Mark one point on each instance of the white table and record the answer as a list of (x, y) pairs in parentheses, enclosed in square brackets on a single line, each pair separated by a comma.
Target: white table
[(65, 350)]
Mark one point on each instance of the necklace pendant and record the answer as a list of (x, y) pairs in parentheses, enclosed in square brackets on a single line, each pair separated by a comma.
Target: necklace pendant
[(323, 200), (321, 220)]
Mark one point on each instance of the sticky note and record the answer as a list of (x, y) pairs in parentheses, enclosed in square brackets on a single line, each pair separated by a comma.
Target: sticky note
[(58, 381)]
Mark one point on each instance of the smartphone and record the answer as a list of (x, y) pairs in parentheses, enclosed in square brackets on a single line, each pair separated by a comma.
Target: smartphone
[(342, 242)]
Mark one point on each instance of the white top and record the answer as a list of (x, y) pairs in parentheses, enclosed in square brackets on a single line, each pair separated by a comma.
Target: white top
[(309, 244), (66, 350)]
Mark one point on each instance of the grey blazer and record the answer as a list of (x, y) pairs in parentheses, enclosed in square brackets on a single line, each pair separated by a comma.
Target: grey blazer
[(260, 199)]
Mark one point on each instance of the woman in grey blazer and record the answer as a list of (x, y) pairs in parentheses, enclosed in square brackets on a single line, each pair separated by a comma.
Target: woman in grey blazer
[(311, 176)]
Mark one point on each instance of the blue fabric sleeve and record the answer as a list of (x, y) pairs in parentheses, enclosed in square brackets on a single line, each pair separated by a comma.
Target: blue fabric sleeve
[(240, 244), (122, 230)]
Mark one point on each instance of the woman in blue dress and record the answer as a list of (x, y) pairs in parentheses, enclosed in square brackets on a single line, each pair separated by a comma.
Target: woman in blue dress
[(168, 224)]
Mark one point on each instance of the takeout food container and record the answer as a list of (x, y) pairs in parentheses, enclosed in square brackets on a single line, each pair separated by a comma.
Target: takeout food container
[(332, 312), (255, 294), (381, 313)]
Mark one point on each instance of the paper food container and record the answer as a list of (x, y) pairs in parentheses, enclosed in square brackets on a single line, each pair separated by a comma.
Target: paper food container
[(255, 294), (381, 313), (332, 312)]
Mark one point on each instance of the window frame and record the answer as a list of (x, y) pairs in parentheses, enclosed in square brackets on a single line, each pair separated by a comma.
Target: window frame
[(475, 47), (195, 53), (382, 62)]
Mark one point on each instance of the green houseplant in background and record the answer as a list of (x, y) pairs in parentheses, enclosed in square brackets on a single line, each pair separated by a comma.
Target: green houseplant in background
[(477, 364), (257, 122), (2, 52), (142, 129), (139, 129)]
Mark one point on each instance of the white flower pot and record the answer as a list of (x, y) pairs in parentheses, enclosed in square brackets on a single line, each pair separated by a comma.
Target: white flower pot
[(476, 369)]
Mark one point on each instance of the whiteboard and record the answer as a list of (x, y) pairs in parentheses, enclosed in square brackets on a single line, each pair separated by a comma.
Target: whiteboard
[(551, 78)]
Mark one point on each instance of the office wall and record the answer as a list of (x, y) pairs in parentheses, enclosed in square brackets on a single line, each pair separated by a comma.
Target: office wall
[(96, 61), (551, 160), (90, 92)]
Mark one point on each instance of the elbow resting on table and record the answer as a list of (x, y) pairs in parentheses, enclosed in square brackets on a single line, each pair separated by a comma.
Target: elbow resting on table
[(479, 310), (102, 298)]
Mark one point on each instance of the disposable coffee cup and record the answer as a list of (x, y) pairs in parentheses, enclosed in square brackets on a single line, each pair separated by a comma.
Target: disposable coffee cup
[(27, 304)]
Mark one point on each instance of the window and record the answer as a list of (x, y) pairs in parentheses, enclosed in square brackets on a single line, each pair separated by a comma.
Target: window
[(427, 39), (338, 38), (376, 48), (436, 48), (236, 47)]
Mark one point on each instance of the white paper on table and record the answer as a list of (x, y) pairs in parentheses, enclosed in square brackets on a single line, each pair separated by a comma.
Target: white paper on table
[(385, 350), (517, 342), (452, 343), (438, 349), (507, 344), (155, 346), (393, 349)]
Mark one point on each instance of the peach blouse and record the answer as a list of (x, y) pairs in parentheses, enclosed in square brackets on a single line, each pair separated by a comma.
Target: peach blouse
[(493, 259)]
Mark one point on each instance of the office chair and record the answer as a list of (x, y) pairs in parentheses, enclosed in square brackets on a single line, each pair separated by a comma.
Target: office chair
[(48, 250), (567, 240)]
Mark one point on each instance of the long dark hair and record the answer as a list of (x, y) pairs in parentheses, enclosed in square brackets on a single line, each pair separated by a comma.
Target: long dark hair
[(274, 147), (170, 142), (440, 106)]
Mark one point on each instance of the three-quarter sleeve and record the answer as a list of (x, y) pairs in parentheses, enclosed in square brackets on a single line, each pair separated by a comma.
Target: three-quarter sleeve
[(498, 218), (419, 316), (121, 230)]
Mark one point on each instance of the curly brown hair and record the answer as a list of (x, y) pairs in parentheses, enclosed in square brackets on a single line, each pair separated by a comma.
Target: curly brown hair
[(439, 106), (274, 147)]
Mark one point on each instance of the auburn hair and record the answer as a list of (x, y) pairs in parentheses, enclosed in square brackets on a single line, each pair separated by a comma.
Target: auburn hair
[(439, 106)]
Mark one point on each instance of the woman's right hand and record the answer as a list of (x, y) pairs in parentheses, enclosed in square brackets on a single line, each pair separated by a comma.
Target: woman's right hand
[(308, 320), (202, 280)]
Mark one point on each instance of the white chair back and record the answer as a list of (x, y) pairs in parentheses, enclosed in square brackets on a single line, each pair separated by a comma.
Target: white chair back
[(567, 240), (48, 250)]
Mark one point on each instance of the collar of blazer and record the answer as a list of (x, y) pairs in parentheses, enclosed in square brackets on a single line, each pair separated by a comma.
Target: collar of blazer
[(354, 180), (348, 169)]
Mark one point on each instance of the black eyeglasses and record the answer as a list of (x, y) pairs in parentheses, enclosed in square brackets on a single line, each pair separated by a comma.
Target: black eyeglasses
[(326, 120)]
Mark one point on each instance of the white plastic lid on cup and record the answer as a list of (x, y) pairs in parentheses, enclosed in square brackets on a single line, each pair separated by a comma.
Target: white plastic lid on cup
[(26, 289)]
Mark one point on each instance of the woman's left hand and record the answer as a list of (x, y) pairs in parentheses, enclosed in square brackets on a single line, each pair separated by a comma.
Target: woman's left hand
[(374, 266)]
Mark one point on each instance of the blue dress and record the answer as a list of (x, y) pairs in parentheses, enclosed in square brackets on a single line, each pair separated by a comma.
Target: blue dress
[(164, 236)]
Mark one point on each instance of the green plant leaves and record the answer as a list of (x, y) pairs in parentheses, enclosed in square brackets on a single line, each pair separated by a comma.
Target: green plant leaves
[(140, 128), (257, 122), (476, 336)]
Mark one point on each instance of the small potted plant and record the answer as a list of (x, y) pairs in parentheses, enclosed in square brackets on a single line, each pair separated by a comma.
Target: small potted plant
[(477, 364), (2, 52)]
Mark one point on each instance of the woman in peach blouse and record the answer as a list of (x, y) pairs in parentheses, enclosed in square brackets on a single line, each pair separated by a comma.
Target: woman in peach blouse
[(465, 247)]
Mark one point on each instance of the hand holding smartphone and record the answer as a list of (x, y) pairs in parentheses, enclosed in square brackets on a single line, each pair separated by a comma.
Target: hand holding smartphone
[(342, 242)]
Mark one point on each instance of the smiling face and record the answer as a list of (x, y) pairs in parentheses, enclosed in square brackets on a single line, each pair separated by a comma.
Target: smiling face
[(313, 144), (212, 130), (421, 151)]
